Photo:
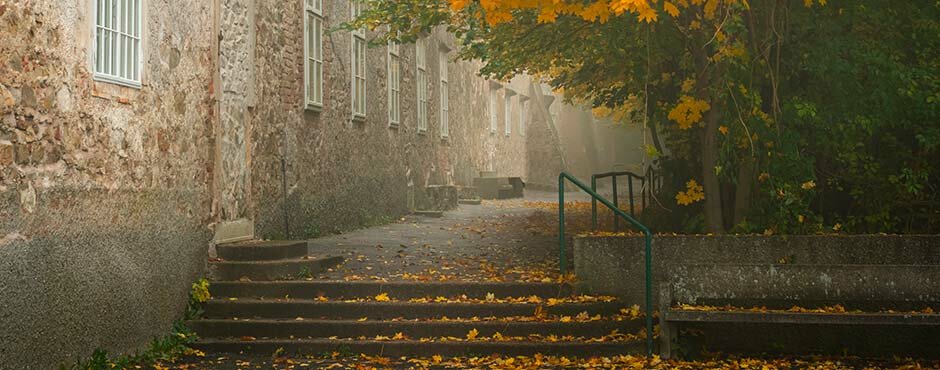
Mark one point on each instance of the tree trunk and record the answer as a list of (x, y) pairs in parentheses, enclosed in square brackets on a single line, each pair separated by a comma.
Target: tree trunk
[(713, 216), (742, 196)]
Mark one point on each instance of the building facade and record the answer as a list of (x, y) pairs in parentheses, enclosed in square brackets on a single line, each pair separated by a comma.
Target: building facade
[(133, 133)]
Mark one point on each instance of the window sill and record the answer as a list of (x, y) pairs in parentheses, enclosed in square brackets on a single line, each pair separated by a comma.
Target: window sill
[(422, 131), (315, 108), (136, 85), (358, 118), (394, 125)]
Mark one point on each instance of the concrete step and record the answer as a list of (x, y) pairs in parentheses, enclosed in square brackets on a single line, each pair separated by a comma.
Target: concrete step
[(414, 348), (288, 328), (472, 202), (429, 213), (253, 308), (271, 270), (262, 250), (398, 290)]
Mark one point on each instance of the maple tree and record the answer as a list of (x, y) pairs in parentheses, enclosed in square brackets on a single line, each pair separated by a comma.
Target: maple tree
[(728, 92)]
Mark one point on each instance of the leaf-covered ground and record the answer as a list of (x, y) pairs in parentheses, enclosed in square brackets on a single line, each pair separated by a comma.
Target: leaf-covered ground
[(361, 362)]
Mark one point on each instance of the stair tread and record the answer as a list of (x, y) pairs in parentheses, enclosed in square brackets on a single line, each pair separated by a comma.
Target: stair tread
[(274, 300), (414, 322), (262, 244), (409, 341), (406, 283), (274, 262), (417, 348)]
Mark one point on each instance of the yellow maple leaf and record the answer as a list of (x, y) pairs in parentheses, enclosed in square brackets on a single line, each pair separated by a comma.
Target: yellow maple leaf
[(437, 359), (583, 316), (671, 9), (723, 129), (694, 193), (472, 334), (566, 319), (382, 297), (399, 336)]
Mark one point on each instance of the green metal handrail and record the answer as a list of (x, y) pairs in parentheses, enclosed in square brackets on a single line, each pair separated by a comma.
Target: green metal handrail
[(646, 232), (645, 192), (613, 176)]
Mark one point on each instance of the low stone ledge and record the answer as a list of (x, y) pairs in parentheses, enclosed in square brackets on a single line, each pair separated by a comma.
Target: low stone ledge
[(811, 285), (614, 265)]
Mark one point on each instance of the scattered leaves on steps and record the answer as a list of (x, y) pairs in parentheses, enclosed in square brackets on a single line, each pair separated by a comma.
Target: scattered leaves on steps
[(834, 309)]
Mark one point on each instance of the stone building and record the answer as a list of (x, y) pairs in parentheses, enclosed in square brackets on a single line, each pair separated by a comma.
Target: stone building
[(133, 133)]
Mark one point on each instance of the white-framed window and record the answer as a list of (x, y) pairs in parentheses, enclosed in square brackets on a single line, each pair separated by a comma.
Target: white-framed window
[(117, 45), (421, 63), (494, 99), (394, 84), (507, 112), (445, 96), (313, 54), (523, 114), (358, 88)]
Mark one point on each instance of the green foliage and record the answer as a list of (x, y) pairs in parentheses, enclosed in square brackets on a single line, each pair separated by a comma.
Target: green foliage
[(199, 294), (844, 96), (164, 349)]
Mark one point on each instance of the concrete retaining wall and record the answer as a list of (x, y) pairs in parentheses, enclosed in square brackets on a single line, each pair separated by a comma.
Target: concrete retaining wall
[(116, 277), (615, 265), (855, 286)]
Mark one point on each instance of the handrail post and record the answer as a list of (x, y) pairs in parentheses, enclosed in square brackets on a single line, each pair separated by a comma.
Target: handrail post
[(648, 251), (630, 186), (643, 198), (593, 203), (649, 294), (562, 263), (616, 204)]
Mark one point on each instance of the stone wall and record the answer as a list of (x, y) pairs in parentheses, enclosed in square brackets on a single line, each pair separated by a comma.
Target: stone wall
[(104, 190), (343, 174)]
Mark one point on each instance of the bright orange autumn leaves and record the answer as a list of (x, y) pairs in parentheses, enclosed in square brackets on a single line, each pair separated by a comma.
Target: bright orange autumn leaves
[(500, 11)]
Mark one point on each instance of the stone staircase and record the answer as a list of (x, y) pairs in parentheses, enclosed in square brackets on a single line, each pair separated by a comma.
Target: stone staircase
[(264, 313)]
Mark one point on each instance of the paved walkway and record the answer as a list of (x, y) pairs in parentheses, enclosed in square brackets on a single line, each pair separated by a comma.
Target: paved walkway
[(497, 240)]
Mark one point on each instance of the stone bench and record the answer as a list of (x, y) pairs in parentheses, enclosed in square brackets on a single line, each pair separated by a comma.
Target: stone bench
[(875, 290), (499, 187)]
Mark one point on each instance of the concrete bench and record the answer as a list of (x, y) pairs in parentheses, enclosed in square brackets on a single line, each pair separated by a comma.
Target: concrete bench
[(499, 187), (873, 289)]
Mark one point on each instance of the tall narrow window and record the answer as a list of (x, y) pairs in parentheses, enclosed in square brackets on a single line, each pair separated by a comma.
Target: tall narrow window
[(493, 107), (445, 96), (117, 51), (313, 54), (358, 65), (394, 84), (507, 112), (421, 57), (523, 114)]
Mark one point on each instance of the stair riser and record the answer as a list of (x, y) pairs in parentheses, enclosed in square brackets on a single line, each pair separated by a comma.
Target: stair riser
[(417, 349), (261, 252), (271, 270), (341, 310), (414, 330), (341, 290)]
